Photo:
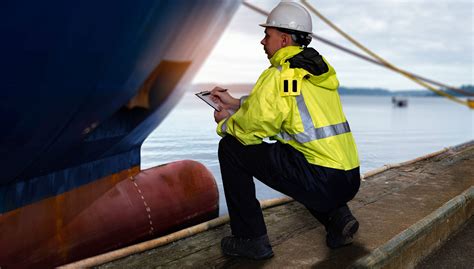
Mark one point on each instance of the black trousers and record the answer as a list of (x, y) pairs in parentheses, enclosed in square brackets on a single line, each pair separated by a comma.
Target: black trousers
[(322, 190)]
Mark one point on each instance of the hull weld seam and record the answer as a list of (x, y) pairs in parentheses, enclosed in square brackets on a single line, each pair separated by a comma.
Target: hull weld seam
[(145, 204)]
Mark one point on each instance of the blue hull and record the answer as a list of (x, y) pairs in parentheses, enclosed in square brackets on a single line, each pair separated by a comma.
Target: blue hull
[(84, 83)]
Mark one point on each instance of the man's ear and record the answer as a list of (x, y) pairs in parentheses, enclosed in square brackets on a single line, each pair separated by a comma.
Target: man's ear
[(285, 40)]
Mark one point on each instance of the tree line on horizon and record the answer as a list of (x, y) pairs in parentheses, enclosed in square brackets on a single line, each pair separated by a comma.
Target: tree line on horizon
[(247, 87)]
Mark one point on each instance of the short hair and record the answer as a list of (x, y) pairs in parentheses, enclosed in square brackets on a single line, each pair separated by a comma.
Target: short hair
[(300, 38)]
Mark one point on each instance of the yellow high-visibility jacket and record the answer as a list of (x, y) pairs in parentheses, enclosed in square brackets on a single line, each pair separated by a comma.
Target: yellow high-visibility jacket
[(296, 107)]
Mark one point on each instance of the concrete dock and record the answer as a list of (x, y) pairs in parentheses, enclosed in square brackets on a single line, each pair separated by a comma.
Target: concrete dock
[(405, 213)]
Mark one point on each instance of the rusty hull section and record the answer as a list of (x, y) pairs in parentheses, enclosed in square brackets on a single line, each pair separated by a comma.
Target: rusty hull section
[(106, 214)]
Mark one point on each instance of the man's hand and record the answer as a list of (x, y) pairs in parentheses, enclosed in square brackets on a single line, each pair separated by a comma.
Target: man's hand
[(220, 115), (224, 99)]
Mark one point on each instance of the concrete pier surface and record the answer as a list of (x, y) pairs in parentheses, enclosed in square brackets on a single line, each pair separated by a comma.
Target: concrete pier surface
[(405, 213)]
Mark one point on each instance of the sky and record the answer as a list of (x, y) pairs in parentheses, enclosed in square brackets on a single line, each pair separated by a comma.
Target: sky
[(431, 38)]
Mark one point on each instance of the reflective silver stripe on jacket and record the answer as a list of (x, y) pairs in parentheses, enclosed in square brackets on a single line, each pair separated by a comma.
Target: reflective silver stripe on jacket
[(243, 98), (310, 132), (224, 126), (317, 133)]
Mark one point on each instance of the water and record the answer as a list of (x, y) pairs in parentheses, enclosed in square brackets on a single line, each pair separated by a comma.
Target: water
[(383, 133)]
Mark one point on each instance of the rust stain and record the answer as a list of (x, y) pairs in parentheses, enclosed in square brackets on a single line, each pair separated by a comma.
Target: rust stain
[(60, 228), (59, 223), (164, 77), (45, 222)]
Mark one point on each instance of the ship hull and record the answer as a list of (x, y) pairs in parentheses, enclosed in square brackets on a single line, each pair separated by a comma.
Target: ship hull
[(82, 86)]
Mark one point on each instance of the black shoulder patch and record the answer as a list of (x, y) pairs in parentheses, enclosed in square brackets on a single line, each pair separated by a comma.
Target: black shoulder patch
[(310, 60)]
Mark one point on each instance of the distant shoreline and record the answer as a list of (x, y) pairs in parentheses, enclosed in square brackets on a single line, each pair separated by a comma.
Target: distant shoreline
[(246, 88)]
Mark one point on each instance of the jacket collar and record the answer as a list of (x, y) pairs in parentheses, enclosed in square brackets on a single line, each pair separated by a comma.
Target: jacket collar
[(284, 54)]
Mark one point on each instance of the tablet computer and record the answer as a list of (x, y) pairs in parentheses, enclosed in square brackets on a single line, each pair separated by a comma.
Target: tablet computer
[(206, 97)]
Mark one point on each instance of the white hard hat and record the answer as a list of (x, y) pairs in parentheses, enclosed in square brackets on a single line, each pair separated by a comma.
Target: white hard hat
[(289, 15)]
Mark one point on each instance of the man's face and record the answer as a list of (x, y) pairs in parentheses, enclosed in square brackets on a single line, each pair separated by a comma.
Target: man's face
[(273, 41)]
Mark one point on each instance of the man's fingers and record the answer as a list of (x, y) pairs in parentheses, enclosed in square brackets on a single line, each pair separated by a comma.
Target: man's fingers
[(215, 94), (216, 90)]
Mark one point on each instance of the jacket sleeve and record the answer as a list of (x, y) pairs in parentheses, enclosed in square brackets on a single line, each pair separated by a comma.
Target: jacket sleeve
[(261, 115)]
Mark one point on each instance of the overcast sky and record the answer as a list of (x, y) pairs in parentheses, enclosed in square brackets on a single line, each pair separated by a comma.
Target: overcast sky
[(431, 38)]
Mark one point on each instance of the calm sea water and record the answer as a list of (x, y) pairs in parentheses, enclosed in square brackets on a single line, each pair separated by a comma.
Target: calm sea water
[(383, 133)]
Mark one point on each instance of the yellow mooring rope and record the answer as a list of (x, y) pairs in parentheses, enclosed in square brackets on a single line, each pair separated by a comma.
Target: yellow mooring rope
[(378, 60), (387, 64), (364, 57)]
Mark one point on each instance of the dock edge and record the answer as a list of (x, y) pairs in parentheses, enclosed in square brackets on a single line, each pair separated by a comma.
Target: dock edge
[(187, 232), (412, 245)]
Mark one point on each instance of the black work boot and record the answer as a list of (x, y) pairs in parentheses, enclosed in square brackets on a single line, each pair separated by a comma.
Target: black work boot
[(341, 229), (253, 248)]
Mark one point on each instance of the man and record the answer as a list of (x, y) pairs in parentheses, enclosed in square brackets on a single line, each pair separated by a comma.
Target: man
[(314, 160)]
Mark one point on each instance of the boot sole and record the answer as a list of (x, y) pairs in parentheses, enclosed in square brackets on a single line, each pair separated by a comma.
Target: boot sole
[(347, 235), (261, 257), (351, 228)]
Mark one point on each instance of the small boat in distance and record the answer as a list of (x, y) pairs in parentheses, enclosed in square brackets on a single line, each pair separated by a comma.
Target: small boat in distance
[(399, 101)]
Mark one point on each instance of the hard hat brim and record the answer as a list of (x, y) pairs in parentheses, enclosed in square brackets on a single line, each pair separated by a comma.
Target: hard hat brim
[(283, 27)]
